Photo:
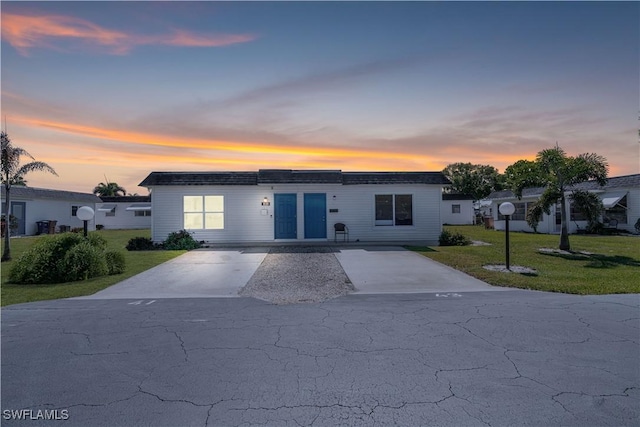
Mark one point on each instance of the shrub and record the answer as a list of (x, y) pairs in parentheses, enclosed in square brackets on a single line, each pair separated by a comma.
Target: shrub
[(61, 258), (83, 261), (141, 244), (116, 263), (99, 227), (40, 264), (97, 241), (448, 238), (180, 240)]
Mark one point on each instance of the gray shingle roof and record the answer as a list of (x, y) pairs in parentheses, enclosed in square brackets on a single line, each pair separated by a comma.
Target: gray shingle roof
[(126, 199), (18, 191), (626, 181), (289, 176), (456, 196), (353, 178), (200, 178)]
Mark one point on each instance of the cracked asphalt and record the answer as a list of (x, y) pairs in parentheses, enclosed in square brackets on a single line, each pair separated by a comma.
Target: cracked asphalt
[(446, 359)]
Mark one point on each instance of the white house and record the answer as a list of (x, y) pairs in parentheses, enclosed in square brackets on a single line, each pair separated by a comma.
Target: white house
[(32, 205), (297, 205), (124, 212), (457, 209), (620, 197)]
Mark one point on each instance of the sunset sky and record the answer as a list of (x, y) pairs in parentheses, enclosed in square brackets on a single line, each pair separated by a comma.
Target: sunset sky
[(120, 89)]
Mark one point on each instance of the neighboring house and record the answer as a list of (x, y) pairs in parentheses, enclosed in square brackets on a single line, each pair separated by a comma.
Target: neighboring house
[(297, 205), (620, 197), (122, 212), (31, 205), (457, 209)]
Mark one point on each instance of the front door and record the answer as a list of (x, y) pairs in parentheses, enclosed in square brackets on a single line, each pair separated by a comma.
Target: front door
[(286, 222), (18, 210), (315, 216)]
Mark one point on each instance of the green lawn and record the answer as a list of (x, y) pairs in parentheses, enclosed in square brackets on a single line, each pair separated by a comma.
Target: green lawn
[(613, 266), (137, 262)]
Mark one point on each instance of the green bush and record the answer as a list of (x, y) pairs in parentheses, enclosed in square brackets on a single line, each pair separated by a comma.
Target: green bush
[(83, 261), (61, 258), (142, 244), (180, 240), (97, 241), (116, 263), (448, 238)]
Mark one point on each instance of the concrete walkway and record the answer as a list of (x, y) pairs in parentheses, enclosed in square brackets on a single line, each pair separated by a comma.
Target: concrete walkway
[(214, 273)]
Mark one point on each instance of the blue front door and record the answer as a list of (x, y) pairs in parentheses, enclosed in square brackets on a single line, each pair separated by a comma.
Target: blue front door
[(286, 223), (315, 216)]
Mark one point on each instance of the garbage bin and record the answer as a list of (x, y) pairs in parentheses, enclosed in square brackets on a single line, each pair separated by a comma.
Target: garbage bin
[(488, 222), (43, 227), (52, 226)]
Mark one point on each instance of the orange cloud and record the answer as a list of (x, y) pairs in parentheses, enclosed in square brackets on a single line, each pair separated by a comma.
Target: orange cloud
[(24, 32), (211, 145)]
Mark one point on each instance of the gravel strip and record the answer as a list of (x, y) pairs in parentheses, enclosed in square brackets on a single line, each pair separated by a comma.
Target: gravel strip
[(290, 275), (512, 269)]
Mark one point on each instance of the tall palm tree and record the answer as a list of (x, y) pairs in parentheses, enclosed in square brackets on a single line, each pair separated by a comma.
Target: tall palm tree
[(559, 173), (12, 172), (110, 189)]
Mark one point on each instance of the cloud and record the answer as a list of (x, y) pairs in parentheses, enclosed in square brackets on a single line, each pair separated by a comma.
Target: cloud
[(25, 32)]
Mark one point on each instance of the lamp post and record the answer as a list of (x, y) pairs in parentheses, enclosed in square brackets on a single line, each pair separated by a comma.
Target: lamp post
[(85, 213), (507, 209)]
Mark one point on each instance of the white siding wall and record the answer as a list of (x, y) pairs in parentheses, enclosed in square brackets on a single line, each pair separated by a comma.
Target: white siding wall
[(633, 210), (465, 217), (245, 221), (123, 218), (49, 209), (548, 222)]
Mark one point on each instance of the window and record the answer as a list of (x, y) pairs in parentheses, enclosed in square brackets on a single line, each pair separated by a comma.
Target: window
[(617, 212), (394, 209), (141, 213), (203, 212), (74, 210), (455, 209), (520, 213), (576, 214)]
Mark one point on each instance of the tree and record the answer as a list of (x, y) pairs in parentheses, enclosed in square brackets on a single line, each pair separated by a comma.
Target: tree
[(558, 173), (110, 189), (12, 173), (476, 180)]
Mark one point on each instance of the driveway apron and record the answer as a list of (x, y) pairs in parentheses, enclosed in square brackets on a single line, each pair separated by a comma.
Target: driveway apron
[(196, 274), (392, 269)]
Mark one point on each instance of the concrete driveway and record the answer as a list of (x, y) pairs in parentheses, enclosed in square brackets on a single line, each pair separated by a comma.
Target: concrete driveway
[(393, 269), (222, 272), (196, 274)]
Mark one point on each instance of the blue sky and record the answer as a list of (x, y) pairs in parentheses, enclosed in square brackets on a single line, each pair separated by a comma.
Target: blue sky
[(119, 89)]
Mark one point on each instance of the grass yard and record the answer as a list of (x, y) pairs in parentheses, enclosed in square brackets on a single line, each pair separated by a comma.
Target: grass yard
[(612, 267), (137, 262)]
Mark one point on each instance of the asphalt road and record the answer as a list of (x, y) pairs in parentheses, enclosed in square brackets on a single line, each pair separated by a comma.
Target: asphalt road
[(446, 359)]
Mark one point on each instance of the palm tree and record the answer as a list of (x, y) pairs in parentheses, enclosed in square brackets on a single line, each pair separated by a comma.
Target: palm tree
[(110, 189), (12, 172), (559, 173)]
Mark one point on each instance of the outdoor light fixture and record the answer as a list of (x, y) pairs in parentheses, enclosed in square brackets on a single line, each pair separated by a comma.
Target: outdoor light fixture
[(85, 213), (507, 209), (334, 197), (266, 202)]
